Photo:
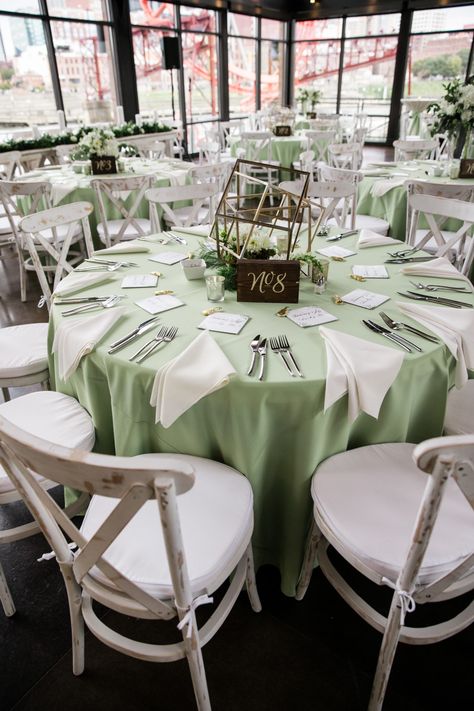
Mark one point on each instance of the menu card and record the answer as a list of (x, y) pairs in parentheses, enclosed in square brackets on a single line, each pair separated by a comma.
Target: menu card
[(365, 299), (310, 316), (335, 251), (138, 281), (224, 322), (168, 257), (157, 304), (370, 271)]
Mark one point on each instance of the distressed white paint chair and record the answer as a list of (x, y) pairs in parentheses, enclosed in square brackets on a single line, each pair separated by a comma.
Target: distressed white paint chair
[(356, 221), (23, 356), (112, 194), (36, 231), (57, 419), (403, 516), (415, 149), (214, 173), (63, 153), (459, 418), (329, 201), (345, 155), (10, 164), (151, 148), (161, 534), (457, 246), (257, 146), (307, 163), (229, 131), (318, 141), (201, 211), (210, 151)]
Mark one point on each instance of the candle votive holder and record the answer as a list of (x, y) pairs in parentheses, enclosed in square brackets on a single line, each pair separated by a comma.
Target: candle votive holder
[(319, 276), (215, 288)]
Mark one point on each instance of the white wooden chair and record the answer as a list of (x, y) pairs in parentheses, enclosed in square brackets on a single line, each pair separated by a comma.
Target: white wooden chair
[(457, 246), (55, 418), (152, 148), (202, 197), (112, 194), (329, 201), (10, 164), (415, 149), (459, 418), (307, 163), (356, 220), (36, 232), (143, 550), (229, 131), (318, 141), (345, 155), (23, 356), (402, 515), (257, 146), (63, 153), (210, 151), (212, 173)]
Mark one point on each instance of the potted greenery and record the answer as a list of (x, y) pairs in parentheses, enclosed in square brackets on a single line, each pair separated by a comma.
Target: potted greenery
[(318, 269)]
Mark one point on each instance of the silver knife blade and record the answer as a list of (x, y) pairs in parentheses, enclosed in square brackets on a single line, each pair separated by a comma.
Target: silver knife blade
[(341, 235), (408, 343), (138, 331), (408, 260), (262, 351), (420, 297), (377, 329), (391, 324), (178, 238), (441, 299)]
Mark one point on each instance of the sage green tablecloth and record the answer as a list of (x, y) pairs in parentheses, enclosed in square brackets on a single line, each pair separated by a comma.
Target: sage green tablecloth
[(274, 431), (285, 149)]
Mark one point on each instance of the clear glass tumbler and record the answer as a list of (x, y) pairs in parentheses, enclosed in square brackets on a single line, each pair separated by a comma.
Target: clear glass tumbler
[(215, 288)]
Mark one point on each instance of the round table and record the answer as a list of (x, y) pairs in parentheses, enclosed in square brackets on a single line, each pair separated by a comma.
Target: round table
[(274, 431)]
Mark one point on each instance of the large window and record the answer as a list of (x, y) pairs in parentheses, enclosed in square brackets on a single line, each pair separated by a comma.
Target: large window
[(317, 67), (242, 49)]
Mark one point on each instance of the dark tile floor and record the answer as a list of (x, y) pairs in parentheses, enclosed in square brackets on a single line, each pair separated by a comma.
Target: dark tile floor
[(314, 654)]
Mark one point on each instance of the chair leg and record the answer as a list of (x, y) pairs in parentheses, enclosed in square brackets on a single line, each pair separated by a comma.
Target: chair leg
[(386, 656), (74, 598), (196, 666), (5, 595), (45, 385), (314, 536), (22, 280), (6, 394), (251, 583)]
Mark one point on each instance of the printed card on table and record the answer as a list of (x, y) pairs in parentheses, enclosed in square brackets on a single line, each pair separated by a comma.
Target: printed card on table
[(335, 251), (157, 304), (370, 271), (138, 281), (168, 257), (310, 316), (224, 322), (365, 299)]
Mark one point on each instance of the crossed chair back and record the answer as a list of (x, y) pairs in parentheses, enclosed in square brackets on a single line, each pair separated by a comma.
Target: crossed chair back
[(345, 155), (36, 230), (435, 211), (257, 145), (152, 148), (10, 164), (415, 149), (63, 153), (212, 173), (210, 151), (227, 131), (112, 193), (318, 141), (202, 209), (343, 175), (328, 201)]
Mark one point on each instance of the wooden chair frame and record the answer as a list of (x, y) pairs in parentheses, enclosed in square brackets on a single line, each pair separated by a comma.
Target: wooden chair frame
[(11, 164), (409, 150), (318, 141), (202, 195), (345, 155)]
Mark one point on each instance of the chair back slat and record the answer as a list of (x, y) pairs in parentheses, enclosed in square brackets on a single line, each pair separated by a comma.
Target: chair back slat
[(110, 192), (199, 194)]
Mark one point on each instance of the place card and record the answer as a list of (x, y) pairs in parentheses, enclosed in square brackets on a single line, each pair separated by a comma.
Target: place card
[(224, 322), (310, 316), (370, 271), (365, 299), (168, 257), (138, 281), (335, 251), (157, 304)]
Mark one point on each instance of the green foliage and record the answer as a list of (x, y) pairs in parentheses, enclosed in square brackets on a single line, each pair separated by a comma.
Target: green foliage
[(447, 66), (308, 258)]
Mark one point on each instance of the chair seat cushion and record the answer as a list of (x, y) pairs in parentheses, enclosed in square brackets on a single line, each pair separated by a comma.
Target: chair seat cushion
[(5, 228), (459, 417), (23, 350), (61, 233), (432, 246), (114, 227), (182, 215), (368, 222), (52, 416), (369, 497), (216, 518)]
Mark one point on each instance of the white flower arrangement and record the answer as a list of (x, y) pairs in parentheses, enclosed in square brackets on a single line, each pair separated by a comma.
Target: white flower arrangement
[(98, 142)]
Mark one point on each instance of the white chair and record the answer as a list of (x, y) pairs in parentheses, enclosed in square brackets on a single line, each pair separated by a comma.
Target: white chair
[(209, 151), (162, 533), (327, 200), (345, 155), (36, 231), (63, 153), (112, 194), (318, 141), (306, 163), (23, 356), (415, 149), (10, 164), (228, 132), (55, 418), (459, 418), (212, 173), (443, 149), (357, 221), (400, 514), (151, 148), (257, 146), (457, 246), (199, 212)]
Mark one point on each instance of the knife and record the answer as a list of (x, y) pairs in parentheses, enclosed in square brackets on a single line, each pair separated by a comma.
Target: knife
[(341, 235), (419, 297), (111, 262), (79, 299), (387, 334), (262, 352), (439, 299), (138, 331), (408, 260), (176, 237), (389, 322)]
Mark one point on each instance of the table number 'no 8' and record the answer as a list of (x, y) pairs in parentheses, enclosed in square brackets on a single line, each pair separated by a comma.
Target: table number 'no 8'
[(268, 280)]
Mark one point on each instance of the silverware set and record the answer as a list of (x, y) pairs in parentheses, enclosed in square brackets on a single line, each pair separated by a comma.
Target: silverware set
[(440, 300), (85, 308), (164, 335), (408, 260), (169, 236), (402, 253), (391, 336), (58, 301), (400, 326), (258, 347), (142, 328), (341, 235), (438, 287), (280, 346), (103, 265)]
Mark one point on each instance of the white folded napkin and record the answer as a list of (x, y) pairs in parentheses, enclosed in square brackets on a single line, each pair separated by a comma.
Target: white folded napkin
[(363, 370), (76, 337), (197, 230), (380, 187), (76, 282), (368, 238), (439, 267), (198, 371), (454, 326), (123, 248)]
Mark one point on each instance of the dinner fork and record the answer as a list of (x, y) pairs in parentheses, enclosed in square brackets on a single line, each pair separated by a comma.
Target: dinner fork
[(283, 340), (435, 287), (107, 304), (404, 252), (276, 348), (168, 336)]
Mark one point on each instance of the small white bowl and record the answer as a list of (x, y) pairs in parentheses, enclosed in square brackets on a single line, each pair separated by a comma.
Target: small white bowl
[(193, 268)]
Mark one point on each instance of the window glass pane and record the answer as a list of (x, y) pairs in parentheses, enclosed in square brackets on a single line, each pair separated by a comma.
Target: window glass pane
[(367, 81), (25, 78), (241, 25), (242, 79), (443, 18), (317, 67), (153, 82), (271, 78), (21, 5), (83, 56), (158, 14), (373, 25), (200, 20), (78, 9), (200, 76), (319, 29), (435, 59), (273, 29)]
